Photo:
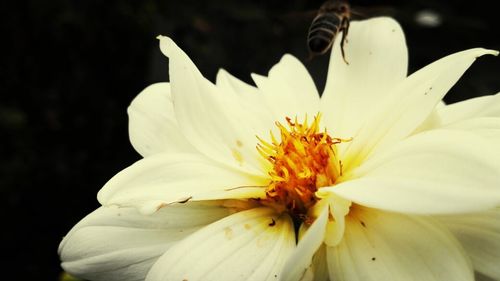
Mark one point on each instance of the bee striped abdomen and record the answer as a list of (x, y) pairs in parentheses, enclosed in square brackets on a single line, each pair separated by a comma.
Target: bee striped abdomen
[(322, 32)]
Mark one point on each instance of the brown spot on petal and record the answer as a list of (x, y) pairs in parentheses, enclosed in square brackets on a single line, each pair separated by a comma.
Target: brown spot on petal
[(239, 143), (247, 226), (228, 232)]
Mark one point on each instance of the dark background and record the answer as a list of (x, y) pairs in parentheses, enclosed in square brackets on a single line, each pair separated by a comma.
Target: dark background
[(69, 69)]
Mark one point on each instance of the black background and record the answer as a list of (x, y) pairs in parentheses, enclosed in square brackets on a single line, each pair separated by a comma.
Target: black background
[(69, 69)]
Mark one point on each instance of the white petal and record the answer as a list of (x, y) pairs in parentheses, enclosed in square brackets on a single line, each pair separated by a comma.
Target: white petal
[(212, 120), (339, 208), (479, 234), (432, 121), (162, 179), (378, 60), (318, 271), (249, 245), (228, 82), (480, 116), (120, 244), (434, 172), (454, 114), (250, 99), (388, 246), (409, 104), (300, 261), (289, 89), (486, 127), (152, 124), (485, 106)]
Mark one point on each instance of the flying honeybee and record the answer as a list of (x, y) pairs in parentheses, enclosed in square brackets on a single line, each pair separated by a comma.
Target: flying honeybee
[(332, 17)]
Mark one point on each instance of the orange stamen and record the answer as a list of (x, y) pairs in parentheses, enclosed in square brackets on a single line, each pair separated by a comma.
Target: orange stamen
[(303, 161)]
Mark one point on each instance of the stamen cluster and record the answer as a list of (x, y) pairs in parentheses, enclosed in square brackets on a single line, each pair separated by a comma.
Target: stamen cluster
[(303, 161)]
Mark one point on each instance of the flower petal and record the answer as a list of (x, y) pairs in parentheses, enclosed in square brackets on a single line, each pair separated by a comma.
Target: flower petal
[(163, 179), (454, 114), (485, 106), (434, 172), (248, 245), (408, 105), (289, 89), (300, 261), (212, 120), (339, 208), (486, 127), (378, 60), (389, 246), (320, 265), (250, 99), (230, 83), (318, 271), (120, 244), (479, 234), (152, 124)]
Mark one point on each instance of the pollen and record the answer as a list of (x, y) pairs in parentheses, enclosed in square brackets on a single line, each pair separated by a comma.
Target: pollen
[(303, 161)]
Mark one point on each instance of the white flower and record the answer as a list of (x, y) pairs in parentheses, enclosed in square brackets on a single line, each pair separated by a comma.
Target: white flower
[(385, 182)]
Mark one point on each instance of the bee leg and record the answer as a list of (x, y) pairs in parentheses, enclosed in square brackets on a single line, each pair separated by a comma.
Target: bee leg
[(347, 22), (310, 57), (344, 27)]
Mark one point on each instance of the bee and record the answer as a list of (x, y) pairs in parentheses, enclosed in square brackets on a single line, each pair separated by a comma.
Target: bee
[(332, 17)]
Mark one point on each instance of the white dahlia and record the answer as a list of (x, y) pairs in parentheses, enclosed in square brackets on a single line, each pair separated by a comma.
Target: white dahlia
[(376, 180)]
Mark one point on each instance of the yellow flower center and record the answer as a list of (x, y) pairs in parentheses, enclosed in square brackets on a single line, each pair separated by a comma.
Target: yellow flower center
[(302, 162)]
